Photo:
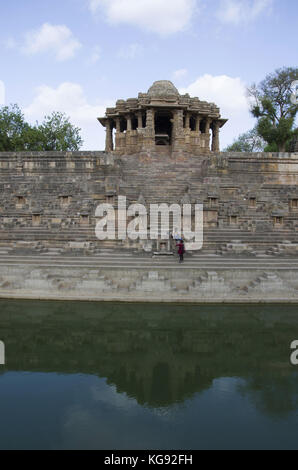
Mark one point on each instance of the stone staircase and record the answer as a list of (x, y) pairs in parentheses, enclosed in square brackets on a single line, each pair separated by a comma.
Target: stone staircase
[(159, 178), (132, 260)]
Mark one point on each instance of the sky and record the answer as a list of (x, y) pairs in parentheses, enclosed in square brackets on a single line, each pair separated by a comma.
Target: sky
[(80, 56)]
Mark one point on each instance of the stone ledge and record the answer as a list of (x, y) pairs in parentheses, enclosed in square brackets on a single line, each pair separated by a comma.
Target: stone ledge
[(151, 300), (149, 284)]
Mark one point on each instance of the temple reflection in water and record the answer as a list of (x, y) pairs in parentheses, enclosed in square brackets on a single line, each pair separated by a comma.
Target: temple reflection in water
[(160, 355)]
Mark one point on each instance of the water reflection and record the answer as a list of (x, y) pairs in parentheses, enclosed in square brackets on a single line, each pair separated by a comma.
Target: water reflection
[(180, 363)]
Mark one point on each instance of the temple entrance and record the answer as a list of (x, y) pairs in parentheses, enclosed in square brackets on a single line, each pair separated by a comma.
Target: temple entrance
[(163, 128)]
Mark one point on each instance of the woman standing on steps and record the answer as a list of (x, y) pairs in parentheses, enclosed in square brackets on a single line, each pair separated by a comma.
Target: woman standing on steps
[(181, 250)]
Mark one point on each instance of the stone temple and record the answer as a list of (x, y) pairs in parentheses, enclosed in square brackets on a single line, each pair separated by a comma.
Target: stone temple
[(162, 117), (161, 147)]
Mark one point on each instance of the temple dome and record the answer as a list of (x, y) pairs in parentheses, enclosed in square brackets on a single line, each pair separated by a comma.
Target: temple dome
[(163, 88)]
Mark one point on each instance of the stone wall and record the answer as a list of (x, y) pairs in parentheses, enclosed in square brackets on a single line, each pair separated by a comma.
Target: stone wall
[(49, 199), (72, 281)]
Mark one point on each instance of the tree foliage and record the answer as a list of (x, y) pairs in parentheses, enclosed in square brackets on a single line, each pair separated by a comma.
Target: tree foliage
[(55, 133), (274, 109), (59, 134), (13, 129)]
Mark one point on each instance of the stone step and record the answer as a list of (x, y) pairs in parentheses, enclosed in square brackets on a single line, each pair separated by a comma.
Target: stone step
[(152, 263)]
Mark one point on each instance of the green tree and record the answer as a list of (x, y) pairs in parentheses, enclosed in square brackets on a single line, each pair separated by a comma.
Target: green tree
[(33, 139), (55, 133), (248, 142), (59, 134), (274, 109), (13, 129)]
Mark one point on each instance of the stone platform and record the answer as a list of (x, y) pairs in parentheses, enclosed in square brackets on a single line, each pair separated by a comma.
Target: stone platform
[(130, 277)]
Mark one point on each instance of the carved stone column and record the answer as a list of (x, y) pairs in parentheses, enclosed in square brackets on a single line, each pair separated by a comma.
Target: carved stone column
[(118, 127), (109, 136), (178, 131), (149, 137), (215, 136), (179, 123), (128, 119), (150, 127), (187, 121), (207, 134), (140, 120), (118, 136), (198, 123), (207, 128)]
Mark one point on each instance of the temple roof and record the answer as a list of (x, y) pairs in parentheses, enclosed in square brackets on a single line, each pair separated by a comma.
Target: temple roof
[(162, 94), (163, 88)]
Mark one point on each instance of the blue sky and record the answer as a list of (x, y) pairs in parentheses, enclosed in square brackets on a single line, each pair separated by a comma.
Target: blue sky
[(80, 56)]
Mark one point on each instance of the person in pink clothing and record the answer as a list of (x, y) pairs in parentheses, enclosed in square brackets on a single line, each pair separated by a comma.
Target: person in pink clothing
[(181, 250)]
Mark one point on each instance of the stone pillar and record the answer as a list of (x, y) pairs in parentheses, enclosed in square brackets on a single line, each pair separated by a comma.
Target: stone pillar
[(149, 134), (207, 134), (179, 123), (187, 121), (178, 131), (215, 136), (198, 123), (208, 123), (128, 118), (140, 120), (118, 136), (109, 136), (118, 128), (150, 125)]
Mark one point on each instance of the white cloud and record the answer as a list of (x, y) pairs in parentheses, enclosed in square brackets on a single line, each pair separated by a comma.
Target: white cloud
[(2, 93), (110, 396), (158, 16), (57, 39), (230, 95), (131, 51), (181, 73), (242, 11), (70, 99)]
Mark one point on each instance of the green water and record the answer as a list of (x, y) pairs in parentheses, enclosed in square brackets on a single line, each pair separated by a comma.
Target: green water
[(142, 376)]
